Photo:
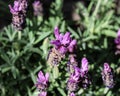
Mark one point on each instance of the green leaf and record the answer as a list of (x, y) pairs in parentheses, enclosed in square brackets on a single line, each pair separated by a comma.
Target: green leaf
[(55, 72), (42, 36)]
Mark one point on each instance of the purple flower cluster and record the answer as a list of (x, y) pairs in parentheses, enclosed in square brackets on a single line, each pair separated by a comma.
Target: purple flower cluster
[(63, 43), (42, 83), (72, 62), (107, 76), (37, 7), (117, 42), (79, 77), (19, 13)]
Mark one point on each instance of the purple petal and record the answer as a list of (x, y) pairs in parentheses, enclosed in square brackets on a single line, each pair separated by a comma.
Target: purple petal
[(72, 94), (11, 9), (76, 73), (117, 40), (56, 43), (43, 93), (41, 77), (61, 37), (72, 45), (56, 32), (66, 38), (118, 33), (47, 77), (84, 65), (63, 50), (107, 67)]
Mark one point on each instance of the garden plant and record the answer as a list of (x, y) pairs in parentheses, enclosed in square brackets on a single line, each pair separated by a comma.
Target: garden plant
[(59, 47)]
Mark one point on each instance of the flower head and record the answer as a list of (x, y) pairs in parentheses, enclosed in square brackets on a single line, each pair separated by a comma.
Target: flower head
[(37, 7), (19, 6), (72, 62), (84, 66), (19, 13), (63, 43), (72, 84), (107, 76), (42, 80), (117, 42), (106, 68)]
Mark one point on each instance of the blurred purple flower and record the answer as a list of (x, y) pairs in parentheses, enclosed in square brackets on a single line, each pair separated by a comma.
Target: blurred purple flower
[(16, 8), (84, 66), (107, 76), (19, 13), (72, 84), (85, 80), (72, 94), (106, 68), (43, 93), (63, 43), (37, 7), (19, 6), (117, 42), (42, 81), (72, 62)]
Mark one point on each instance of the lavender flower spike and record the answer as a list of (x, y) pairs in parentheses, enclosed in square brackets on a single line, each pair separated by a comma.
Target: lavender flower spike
[(84, 66), (72, 94), (72, 84), (43, 93), (107, 76), (19, 13), (63, 43), (16, 8), (42, 81), (84, 73), (117, 42), (37, 7)]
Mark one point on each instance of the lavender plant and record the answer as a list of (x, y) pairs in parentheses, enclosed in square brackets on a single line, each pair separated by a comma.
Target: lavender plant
[(90, 34)]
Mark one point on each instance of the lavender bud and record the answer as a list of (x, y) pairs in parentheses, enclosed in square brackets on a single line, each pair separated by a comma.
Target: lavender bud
[(19, 14), (72, 84), (72, 63), (117, 42), (107, 76), (42, 81), (37, 7)]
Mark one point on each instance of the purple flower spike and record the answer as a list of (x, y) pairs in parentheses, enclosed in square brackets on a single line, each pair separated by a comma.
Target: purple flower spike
[(117, 42), (42, 81), (43, 93), (19, 6), (19, 13), (63, 43), (84, 66), (72, 94), (107, 68), (16, 8), (37, 7), (107, 76), (72, 84)]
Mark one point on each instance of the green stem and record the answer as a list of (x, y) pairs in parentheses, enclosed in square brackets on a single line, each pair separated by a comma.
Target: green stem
[(97, 8), (19, 35)]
